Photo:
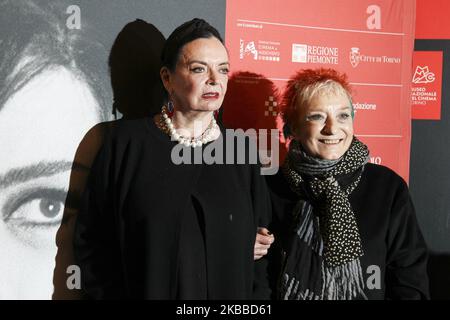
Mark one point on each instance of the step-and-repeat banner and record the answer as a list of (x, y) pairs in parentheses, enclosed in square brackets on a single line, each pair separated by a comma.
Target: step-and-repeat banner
[(371, 41)]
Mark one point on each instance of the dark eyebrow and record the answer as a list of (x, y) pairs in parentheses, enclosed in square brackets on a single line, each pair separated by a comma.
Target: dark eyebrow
[(34, 171), (205, 64)]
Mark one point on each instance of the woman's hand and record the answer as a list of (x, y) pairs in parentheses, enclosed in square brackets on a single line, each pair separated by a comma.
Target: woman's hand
[(262, 243)]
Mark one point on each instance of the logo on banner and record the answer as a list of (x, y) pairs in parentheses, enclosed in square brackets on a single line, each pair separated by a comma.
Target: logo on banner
[(260, 50), (304, 53), (299, 53), (271, 106), (356, 58), (423, 75), (247, 49), (426, 87)]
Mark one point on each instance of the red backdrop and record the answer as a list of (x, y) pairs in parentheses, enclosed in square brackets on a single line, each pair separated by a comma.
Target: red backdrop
[(373, 43)]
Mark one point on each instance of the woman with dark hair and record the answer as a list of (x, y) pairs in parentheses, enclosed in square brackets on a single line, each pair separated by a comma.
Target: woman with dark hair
[(346, 228), (51, 93), (153, 228)]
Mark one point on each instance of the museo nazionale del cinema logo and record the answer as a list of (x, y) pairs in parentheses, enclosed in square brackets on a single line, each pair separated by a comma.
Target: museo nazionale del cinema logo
[(423, 90), (356, 58), (305, 53), (423, 75), (260, 50)]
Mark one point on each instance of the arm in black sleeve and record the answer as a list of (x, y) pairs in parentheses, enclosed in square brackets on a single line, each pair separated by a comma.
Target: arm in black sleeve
[(96, 247), (406, 269), (262, 209)]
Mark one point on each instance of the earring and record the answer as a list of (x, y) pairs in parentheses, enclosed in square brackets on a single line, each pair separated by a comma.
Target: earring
[(170, 106), (170, 103)]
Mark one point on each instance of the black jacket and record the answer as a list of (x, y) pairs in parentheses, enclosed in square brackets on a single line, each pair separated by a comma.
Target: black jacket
[(127, 232), (390, 235)]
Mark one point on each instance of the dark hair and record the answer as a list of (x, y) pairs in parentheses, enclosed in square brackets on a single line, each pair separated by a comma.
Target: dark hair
[(187, 32), (34, 36), (134, 64)]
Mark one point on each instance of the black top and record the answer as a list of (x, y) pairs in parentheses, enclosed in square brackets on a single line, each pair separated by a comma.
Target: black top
[(191, 274), (141, 211), (392, 242)]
